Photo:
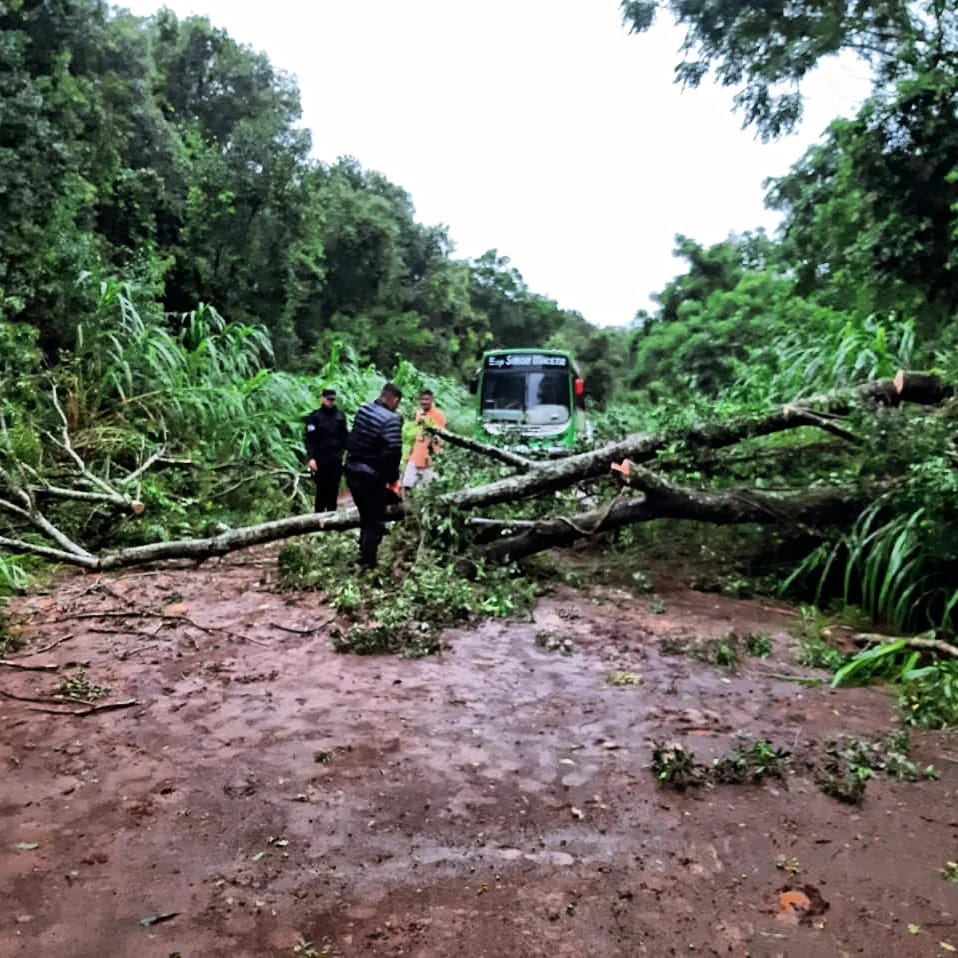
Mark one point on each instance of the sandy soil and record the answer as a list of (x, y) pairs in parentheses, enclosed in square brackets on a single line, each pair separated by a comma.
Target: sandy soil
[(267, 796)]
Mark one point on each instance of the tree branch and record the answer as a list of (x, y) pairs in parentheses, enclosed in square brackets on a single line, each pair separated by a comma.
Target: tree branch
[(46, 552), (67, 446), (663, 500), (34, 517), (522, 463), (157, 456), (822, 422), (927, 640), (84, 495)]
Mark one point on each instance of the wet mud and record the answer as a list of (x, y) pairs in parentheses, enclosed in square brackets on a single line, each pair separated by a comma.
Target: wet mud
[(267, 796)]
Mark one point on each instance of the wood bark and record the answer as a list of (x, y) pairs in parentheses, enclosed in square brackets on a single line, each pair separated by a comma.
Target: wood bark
[(663, 500), (232, 541), (926, 389)]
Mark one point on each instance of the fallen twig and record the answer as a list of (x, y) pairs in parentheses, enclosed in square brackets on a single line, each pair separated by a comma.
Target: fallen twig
[(107, 630), (808, 680), (316, 628), (6, 663), (46, 700), (50, 647), (109, 707), (132, 614), (123, 656), (212, 629), (924, 641), (165, 617)]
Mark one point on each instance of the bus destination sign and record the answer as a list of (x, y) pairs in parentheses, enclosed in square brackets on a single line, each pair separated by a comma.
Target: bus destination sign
[(525, 360)]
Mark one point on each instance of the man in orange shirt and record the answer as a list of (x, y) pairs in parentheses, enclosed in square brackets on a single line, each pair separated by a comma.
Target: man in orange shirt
[(419, 468)]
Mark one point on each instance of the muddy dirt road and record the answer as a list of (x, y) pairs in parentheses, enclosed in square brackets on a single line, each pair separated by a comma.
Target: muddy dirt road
[(267, 796)]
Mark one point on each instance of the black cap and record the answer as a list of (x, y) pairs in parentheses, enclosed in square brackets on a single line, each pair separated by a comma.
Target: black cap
[(329, 394)]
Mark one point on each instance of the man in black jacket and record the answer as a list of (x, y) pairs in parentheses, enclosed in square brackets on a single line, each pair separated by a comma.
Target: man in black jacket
[(372, 464), (326, 434)]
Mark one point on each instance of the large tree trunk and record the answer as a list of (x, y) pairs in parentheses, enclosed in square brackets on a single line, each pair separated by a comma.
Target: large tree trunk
[(923, 388), (662, 500)]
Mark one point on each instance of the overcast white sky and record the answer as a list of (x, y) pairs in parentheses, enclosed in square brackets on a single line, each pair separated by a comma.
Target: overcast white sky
[(540, 128)]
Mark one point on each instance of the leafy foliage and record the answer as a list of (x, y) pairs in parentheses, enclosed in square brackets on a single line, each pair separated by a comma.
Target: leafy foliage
[(928, 694), (850, 763), (405, 609), (164, 151), (766, 50), (751, 765), (77, 686), (676, 767), (725, 652), (898, 560)]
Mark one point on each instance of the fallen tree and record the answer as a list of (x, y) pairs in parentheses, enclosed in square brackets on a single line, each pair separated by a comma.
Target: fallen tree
[(663, 500), (30, 530)]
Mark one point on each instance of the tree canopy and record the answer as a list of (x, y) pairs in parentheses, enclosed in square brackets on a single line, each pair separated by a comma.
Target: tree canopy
[(163, 152), (765, 49)]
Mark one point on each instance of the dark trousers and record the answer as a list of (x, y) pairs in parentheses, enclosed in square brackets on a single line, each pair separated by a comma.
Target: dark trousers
[(327, 478), (369, 494)]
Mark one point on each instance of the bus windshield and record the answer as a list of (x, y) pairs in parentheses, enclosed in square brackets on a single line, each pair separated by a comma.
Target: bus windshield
[(532, 396)]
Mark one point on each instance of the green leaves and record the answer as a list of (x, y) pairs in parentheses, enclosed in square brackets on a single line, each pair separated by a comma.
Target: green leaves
[(866, 666), (764, 51)]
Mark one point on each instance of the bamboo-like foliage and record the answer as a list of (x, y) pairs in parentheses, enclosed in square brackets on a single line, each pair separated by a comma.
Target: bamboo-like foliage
[(885, 565), (201, 389), (886, 568), (805, 362), (191, 376)]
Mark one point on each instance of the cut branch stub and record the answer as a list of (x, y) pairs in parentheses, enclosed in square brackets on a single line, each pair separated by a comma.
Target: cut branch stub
[(924, 388)]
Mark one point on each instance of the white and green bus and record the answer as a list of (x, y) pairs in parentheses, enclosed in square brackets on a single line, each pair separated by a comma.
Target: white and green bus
[(532, 398)]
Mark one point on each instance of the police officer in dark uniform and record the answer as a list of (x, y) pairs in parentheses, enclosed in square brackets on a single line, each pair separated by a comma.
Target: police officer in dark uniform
[(372, 467), (326, 435)]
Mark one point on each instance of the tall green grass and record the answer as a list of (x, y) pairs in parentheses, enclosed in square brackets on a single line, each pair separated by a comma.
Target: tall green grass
[(833, 356), (13, 576), (887, 569), (204, 390)]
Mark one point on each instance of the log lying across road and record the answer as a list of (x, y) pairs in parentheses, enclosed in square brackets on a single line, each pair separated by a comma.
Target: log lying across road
[(663, 500), (659, 500)]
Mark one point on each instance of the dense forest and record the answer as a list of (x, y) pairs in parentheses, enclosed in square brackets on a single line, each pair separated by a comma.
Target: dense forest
[(179, 276), (165, 153)]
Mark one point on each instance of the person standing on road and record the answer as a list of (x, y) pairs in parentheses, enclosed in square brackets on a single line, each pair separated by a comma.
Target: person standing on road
[(373, 455), (326, 435), (419, 468)]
